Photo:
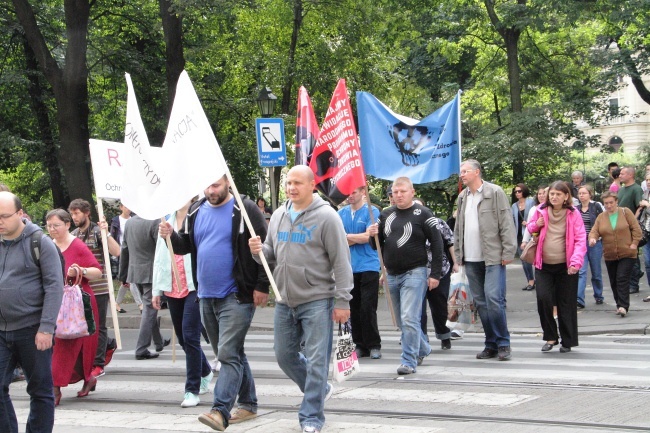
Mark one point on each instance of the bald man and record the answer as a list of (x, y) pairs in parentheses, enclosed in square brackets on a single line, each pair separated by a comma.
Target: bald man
[(30, 298), (306, 243)]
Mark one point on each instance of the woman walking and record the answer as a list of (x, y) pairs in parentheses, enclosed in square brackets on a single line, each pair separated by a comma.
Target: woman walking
[(561, 249), (520, 211), (184, 311), (72, 360), (589, 210), (620, 233)]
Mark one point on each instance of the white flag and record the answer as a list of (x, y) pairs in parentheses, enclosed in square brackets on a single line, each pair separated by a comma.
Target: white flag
[(140, 179), (191, 159)]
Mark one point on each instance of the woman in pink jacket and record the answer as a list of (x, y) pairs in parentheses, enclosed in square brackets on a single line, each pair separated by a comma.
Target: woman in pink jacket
[(561, 249)]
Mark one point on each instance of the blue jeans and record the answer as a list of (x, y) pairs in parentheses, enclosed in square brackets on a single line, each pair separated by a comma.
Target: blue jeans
[(310, 323), (593, 258), (230, 321), (488, 286), (646, 259), (19, 347), (186, 318), (407, 291)]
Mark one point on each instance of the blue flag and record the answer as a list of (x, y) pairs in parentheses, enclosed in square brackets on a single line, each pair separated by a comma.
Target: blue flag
[(393, 145)]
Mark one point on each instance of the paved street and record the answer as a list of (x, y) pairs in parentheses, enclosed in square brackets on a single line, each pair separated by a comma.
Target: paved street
[(603, 384)]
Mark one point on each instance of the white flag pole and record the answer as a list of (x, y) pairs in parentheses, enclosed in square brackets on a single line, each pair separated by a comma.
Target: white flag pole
[(109, 276), (381, 260), (240, 203)]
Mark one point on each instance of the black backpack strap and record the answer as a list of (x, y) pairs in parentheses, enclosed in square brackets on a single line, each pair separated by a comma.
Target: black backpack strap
[(35, 247)]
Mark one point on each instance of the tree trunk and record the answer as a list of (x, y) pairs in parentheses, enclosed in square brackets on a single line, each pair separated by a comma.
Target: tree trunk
[(174, 56), (291, 62), (60, 198), (510, 37), (70, 86), (632, 70)]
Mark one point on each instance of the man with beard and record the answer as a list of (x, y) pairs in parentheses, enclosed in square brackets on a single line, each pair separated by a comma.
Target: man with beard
[(90, 233), (230, 284)]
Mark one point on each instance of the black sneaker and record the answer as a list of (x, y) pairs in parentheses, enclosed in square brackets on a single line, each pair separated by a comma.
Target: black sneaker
[(580, 306), (487, 354), (599, 301), (445, 344), (504, 353)]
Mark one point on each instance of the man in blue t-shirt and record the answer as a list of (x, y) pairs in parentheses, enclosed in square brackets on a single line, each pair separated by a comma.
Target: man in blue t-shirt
[(230, 285), (365, 271)]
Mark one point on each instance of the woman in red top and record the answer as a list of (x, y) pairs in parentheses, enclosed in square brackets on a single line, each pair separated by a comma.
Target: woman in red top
[(72, 360)]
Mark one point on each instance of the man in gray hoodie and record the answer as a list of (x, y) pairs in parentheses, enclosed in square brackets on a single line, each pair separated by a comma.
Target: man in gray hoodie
[(306, 243), (30, 298)]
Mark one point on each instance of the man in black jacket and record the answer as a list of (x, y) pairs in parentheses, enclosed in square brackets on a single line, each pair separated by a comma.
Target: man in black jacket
[(230, 285), (404, 230)]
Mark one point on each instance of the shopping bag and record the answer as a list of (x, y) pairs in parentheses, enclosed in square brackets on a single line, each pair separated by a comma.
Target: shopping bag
[(460, 303), (71, 321), (345, 363)]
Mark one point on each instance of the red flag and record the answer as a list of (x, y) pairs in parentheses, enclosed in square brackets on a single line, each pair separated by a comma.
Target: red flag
[(336, 160), (306, 128)]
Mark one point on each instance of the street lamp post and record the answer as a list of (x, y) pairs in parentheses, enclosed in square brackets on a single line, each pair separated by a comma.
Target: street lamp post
[(266, 103)]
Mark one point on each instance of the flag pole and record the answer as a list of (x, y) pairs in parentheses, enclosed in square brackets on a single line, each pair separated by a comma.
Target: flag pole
[(240, 203), (109, 276), (168, 240), (381, 259)]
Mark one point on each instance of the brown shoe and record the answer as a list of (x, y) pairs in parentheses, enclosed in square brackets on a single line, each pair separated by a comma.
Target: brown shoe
[(241, 415), (214, 420)]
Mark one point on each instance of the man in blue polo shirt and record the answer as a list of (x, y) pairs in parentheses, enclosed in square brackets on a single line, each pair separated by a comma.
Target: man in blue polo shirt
[(365, 268)]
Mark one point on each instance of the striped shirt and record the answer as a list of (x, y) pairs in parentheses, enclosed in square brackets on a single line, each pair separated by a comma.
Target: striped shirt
[(93, 240)]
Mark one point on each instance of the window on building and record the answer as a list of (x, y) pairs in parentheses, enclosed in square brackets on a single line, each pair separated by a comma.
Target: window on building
[(615, 142), (613, 107)]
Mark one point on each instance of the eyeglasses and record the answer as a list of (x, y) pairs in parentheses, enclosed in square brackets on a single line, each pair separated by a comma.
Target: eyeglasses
[(467, 171), (54, 226), (6, 217), (517, 191)]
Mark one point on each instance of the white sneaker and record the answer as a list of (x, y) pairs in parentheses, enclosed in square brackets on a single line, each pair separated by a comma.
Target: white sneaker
[(456, 335), (205, 384), (216, 365), (191, 400), (330, 391), (310, 429)]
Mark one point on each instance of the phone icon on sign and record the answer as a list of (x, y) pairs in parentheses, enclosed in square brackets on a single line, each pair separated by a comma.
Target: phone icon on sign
[(270, 139)]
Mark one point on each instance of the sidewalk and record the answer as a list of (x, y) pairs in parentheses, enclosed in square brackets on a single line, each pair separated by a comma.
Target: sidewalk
[(521, 311)]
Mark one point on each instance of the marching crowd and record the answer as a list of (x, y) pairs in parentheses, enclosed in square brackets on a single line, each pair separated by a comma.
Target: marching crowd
[(327, 269)]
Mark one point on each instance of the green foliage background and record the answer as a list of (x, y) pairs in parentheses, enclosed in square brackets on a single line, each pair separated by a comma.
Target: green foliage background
[(413, 55)]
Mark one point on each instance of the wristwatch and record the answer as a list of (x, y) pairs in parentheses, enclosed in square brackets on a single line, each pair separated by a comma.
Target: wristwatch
[(84, 272)]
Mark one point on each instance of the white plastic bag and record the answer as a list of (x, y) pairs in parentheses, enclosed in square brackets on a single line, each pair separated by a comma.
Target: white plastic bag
[(345, 364), (460, 303)]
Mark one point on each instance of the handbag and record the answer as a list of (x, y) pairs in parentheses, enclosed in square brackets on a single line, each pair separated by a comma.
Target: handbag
[(345, 363), (530, 250), (71, 322), (460, 303), (88, 312)]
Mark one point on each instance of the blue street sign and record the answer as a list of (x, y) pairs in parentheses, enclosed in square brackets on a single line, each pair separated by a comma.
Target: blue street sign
[(271, 147)]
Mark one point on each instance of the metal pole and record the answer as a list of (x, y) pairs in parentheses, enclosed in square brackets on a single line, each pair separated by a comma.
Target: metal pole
[(274, 199)]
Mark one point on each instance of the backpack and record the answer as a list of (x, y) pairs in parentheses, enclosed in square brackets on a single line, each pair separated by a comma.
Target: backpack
[(35, 247)]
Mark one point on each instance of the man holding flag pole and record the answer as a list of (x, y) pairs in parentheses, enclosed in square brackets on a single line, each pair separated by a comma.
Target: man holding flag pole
[(306, 242), (157, 188)]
